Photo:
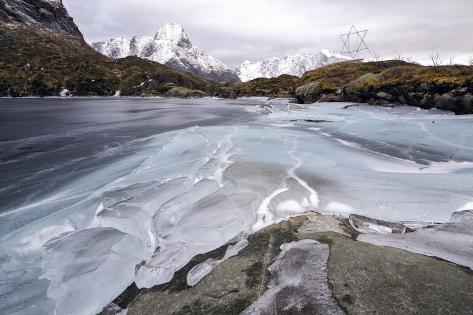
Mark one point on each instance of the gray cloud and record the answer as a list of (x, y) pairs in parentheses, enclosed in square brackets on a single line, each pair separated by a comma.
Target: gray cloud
[(254, 29)]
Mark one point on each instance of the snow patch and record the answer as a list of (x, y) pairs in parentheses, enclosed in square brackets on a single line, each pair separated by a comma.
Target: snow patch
[(64, 93)]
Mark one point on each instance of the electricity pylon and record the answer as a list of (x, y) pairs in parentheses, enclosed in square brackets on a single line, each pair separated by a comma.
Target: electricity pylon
[(354, 42)]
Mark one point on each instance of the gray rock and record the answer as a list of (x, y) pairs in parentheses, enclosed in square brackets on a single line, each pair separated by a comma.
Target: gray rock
[(402, 100), (363, 278), (49, 15), (364, 224), (385, 96), (448, 102), (184, 92), (467, 103), (414, 99), (330, 98), (425, 87), (368, 279)]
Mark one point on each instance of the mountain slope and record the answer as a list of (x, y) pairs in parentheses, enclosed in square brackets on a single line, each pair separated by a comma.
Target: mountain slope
[(295, 65), (47, 14), (170, 46), (43, 53)]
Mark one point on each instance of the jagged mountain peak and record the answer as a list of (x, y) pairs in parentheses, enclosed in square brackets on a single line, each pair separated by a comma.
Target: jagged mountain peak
[(173, 33), (170, 46)]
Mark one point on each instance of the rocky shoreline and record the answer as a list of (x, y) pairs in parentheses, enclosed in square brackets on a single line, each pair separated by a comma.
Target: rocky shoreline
[(457, 100), (312, 264), (386, 83)]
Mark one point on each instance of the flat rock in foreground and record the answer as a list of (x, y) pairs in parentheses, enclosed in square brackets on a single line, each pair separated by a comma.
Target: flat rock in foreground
[(364, 278)]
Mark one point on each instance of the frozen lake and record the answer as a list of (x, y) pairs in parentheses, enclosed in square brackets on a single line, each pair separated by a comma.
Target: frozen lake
[(100, 193)]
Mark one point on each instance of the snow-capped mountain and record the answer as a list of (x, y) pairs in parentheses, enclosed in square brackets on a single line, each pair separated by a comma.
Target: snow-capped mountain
[(170, 46), (292, 64)]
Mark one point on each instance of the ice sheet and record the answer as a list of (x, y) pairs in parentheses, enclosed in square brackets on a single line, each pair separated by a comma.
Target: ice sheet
[(298, 282), (201, 270), (187, 192), (451, 241)]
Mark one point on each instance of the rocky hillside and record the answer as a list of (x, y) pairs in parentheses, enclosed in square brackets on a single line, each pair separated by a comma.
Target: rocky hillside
[(295, 65), (46, 14), (170, 46), (44, 54), (379, 83)]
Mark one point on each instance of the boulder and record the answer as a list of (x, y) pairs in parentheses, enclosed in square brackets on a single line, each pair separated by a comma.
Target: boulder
[(328, 98), (184, 92), (467, 103), (425, 87), (227, 92), (355, 91), (308, 93), (448, 101), (385, 96), (427, 101)]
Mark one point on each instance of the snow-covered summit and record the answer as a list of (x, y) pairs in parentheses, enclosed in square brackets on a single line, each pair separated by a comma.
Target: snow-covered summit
[(175, 34), (291, 64), (170, 46)]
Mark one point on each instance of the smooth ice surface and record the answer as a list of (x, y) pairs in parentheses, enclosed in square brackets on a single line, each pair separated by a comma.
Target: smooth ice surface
[(142, 186), (298, 283), (451, 241), (201, 270)]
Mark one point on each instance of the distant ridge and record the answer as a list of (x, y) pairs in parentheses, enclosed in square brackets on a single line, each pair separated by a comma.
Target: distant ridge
[(295, 65)]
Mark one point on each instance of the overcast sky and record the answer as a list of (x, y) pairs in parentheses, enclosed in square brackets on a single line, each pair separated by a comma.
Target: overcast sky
[(236, 30)]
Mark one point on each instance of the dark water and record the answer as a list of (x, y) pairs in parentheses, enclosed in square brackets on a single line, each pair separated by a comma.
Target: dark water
[(46, 142)]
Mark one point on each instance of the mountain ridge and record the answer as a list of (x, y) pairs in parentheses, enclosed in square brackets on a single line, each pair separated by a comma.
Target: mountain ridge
[(170, 46), (295, 65)]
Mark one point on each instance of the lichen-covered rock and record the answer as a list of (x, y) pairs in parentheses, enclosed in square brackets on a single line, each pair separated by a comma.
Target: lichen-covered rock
[(309, 93), (184, 92), (356, 90)]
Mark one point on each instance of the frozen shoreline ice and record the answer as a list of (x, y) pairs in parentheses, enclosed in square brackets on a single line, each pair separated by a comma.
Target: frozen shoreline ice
[(193, 190)]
